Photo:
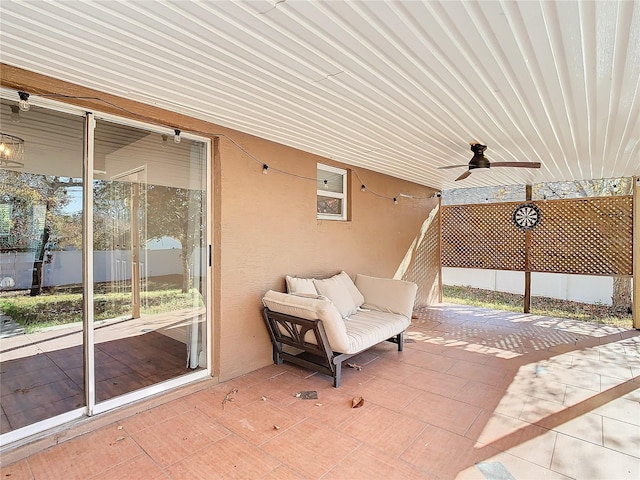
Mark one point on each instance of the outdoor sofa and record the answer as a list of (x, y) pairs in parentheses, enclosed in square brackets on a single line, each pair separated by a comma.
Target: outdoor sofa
[(320, 323)]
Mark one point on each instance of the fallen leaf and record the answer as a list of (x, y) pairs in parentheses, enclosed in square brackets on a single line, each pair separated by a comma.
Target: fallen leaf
[(357, 402), (263, 398), (119, 439), (228, 397), (354, 365), (119, 427), (276, 427), (318, 404)]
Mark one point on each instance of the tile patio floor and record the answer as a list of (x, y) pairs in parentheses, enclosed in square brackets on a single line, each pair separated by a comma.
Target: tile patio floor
[(476, 394)]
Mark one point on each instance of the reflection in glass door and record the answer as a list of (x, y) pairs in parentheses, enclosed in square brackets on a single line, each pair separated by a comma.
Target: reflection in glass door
[(149, 259), (41, 229)]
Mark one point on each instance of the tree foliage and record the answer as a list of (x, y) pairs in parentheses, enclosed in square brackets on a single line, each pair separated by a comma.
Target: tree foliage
[(30, 195), (177, 213)]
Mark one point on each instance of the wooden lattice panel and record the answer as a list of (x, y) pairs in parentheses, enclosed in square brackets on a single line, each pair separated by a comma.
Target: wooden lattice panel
[(481, 236), (424, 268), (578, 236), (584, 236)]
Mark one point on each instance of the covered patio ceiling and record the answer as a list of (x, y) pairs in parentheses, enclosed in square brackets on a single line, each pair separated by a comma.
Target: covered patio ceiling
[(399, 87)]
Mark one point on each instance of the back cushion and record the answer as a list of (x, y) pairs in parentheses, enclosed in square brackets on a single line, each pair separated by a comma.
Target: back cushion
[(336, 290), (358, 298), (300, 285), (387, 294)]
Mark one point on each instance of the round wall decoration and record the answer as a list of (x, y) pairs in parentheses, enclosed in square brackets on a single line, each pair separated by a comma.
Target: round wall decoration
[(526, 216)]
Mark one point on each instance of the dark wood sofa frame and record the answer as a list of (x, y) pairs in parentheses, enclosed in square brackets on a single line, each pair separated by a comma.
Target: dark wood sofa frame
[(290, 331)]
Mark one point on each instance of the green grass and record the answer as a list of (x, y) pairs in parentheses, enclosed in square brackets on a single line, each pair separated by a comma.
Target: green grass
[(598, 313), (35, 313)]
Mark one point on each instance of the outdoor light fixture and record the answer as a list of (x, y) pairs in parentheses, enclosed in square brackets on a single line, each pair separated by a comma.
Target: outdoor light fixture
[(24, 101), (11, 151), (176, 137), (265, 168)]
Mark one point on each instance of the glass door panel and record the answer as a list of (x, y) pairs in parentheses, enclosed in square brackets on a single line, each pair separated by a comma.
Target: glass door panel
[(149, 258), (41, 341)]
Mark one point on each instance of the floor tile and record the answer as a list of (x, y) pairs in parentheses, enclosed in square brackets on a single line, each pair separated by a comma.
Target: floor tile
[(383, 429), (588, 427), (85, 456), (387, 393), (621, 436), (579, 459), (481, 395), (505, 466), (427, 360), (522, 439), (395, 370), (178, 437), (16, 471), (154, 416), (496, 377), (138, 468), (261, 421), (621, 409), (443, 454), (366, 463), (320, 448), (443, 412), (436, 383), (283, 473), (231, 457)]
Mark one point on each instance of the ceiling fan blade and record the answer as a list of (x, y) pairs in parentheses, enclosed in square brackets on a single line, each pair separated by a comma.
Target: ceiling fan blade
[(452, 166), (464, 175), (516, 164)]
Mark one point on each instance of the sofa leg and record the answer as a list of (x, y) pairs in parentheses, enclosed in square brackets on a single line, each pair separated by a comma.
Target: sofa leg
[(337, 376), (277, 359), (400, 340)]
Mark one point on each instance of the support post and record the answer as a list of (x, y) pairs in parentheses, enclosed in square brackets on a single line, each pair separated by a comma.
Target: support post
[(635, 296), (527, 260)]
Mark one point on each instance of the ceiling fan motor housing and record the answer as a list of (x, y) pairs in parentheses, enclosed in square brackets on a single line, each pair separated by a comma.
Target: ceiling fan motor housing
[(478, 160)]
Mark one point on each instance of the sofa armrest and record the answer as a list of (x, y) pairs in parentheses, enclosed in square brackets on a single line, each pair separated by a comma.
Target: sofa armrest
[(311, 309), (387, 294)]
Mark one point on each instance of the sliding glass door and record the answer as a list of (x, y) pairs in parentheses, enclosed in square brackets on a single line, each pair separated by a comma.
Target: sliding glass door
[(149, 217), (103, 269)]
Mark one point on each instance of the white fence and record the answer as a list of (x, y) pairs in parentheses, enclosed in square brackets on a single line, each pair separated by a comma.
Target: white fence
[(577, 288), (65, 268)]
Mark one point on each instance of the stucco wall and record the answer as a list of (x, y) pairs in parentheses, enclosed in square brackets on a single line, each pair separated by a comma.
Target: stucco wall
[(269, 229)]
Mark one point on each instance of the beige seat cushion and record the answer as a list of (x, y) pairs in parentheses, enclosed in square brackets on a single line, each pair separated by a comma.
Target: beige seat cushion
[(365, 329)]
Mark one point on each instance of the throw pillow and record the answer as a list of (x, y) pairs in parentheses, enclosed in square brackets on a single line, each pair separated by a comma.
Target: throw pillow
[(300, 285), (334, 289)]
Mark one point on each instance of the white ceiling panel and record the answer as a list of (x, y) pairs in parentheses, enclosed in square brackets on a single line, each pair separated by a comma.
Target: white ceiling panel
[(399, 87)]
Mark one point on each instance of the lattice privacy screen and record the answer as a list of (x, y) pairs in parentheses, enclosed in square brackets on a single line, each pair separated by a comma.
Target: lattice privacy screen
[(591, 236)]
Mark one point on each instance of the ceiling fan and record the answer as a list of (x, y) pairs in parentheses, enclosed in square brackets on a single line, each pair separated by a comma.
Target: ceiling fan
[(480, 161)]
